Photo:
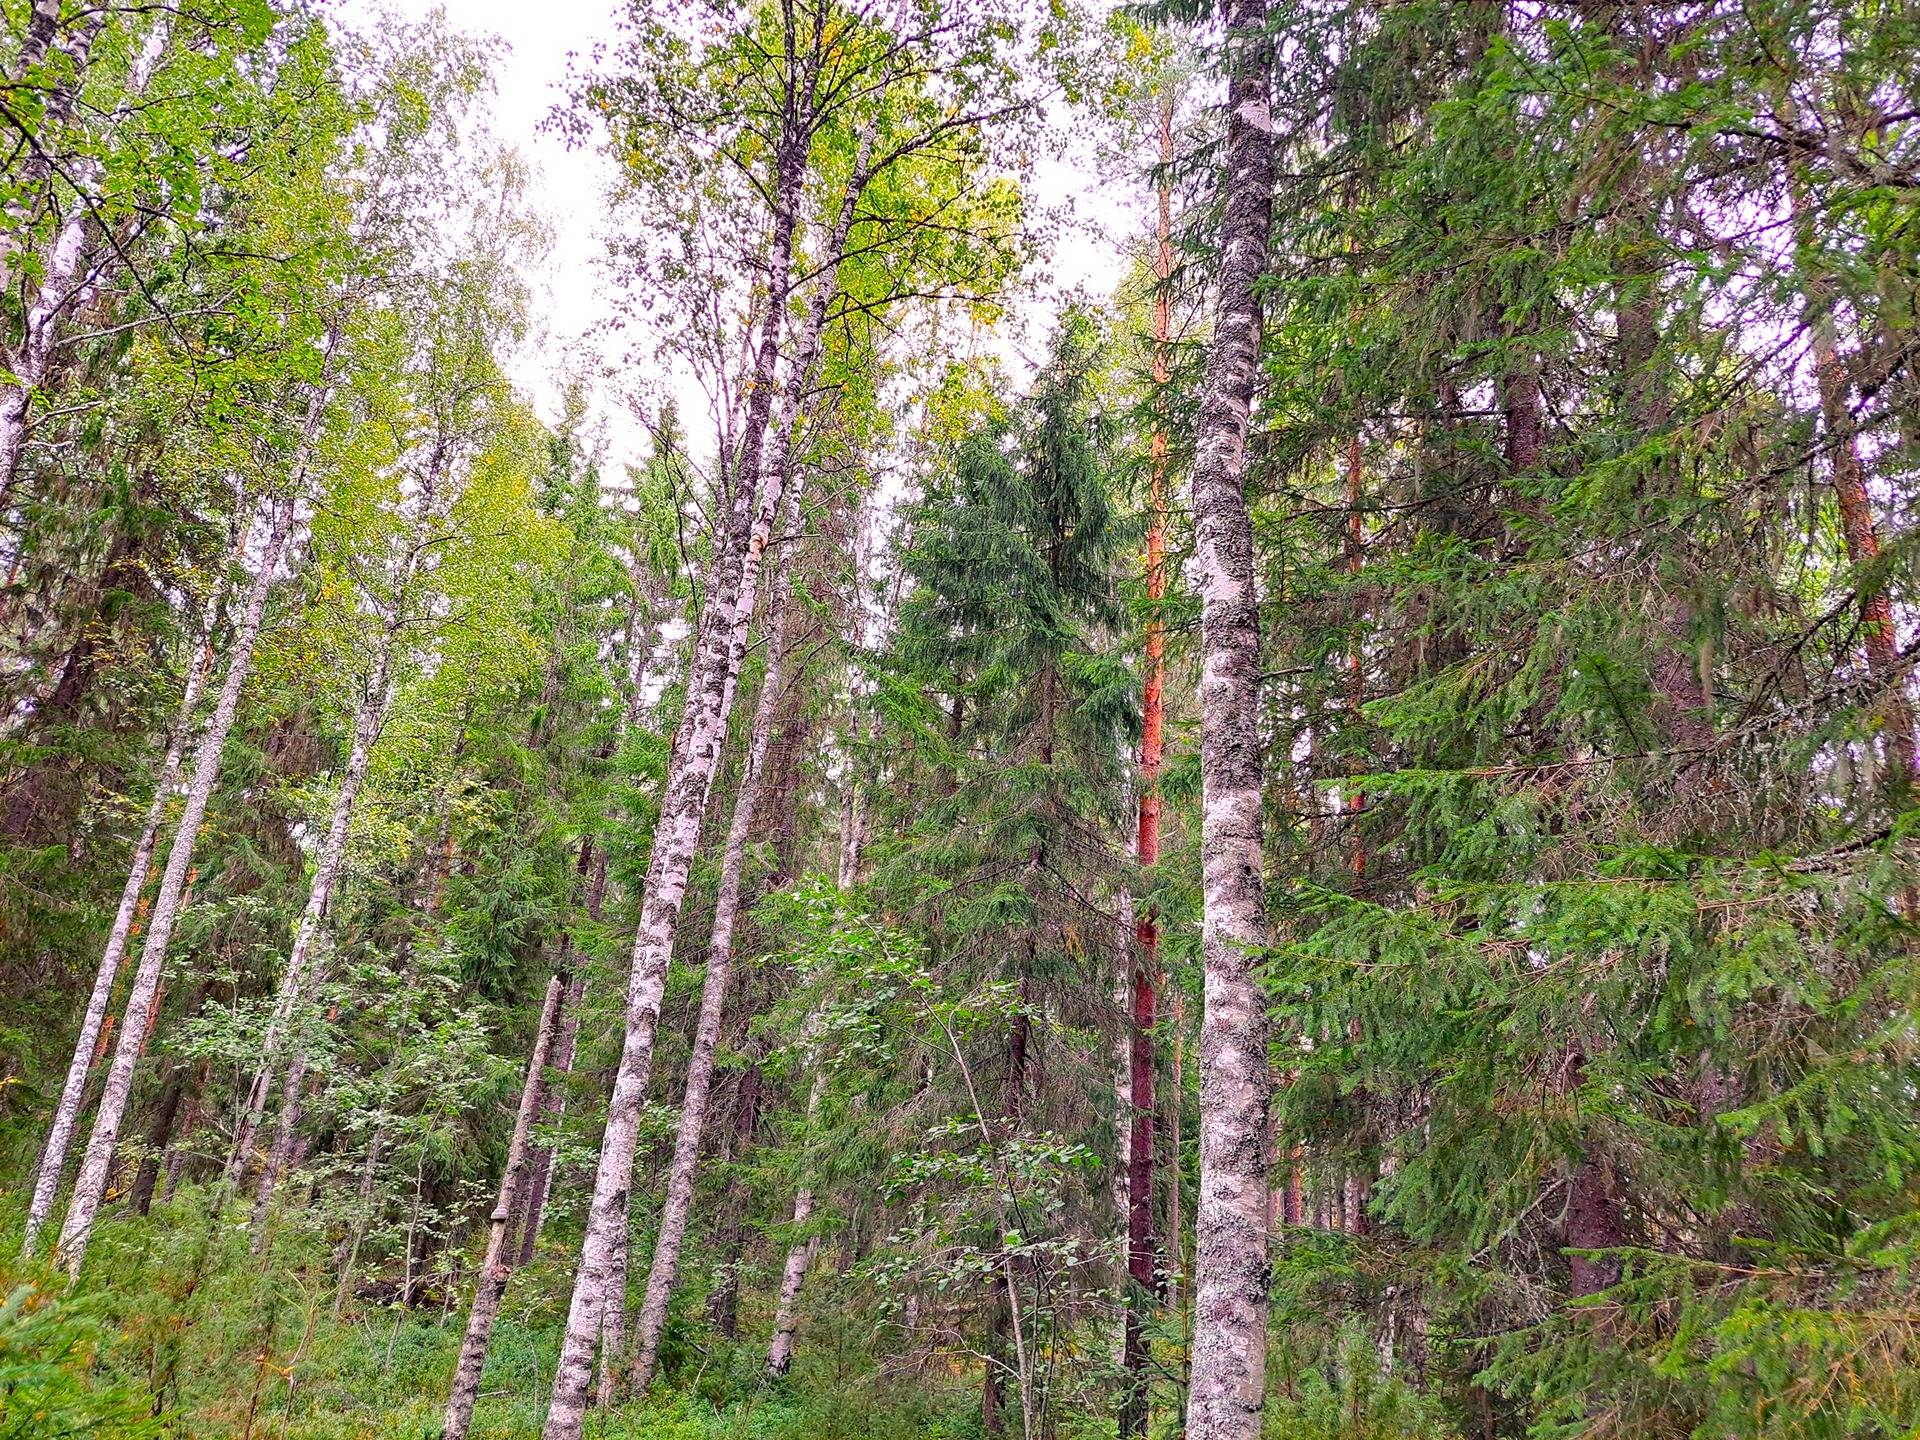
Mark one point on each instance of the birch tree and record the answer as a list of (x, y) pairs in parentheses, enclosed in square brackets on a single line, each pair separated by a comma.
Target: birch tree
[(1228, 1387)]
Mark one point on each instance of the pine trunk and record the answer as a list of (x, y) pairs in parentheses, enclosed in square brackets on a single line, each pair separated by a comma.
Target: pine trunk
[(1862, 535), (1227, 1390), (1142, 1254)]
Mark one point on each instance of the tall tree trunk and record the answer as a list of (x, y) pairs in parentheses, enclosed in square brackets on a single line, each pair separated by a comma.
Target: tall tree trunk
[(532, 1202), (91, 1187), (1176, 1255), (719, 655), (280, 1156), (664, 1272), (1593, 1224), (1227, 1392), (66, 1114), (1142, 1253), (718, 651), (147, 1178), (724, 1303), (641, 666), (376, 699), (494, 1269), (177, 1152), (1857, 525), (308, 937)]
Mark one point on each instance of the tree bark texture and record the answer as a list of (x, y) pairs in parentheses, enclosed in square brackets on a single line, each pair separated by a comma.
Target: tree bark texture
[(1227, 1390), (793, 1275), (664, 1272)]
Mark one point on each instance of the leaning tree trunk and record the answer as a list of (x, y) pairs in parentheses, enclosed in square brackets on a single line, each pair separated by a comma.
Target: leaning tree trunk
[(376, 700), (91, 1187), (1228, 1383), (664, 1273), (66, 1113), (717, 652), (370, 716), (531, 1205), (613, 1318), (1858, 528), (593, 865), (793, 1275), (495, 1268), (280, 1156)]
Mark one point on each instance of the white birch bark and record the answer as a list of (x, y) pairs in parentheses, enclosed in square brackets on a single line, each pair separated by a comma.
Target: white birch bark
[(371, 714), (793, 1275), (1227, 1391), (280, 1157), (91, 1186), (67, 277), (613, 1319), (676, 834), (66, 1114), (494, 1269), (664, 1272), (36, 43)]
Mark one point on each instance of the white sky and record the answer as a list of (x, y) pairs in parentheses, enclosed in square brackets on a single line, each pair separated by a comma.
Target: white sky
[(540, 39)]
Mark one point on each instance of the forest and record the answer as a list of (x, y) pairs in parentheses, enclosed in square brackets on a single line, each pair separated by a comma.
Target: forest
[(1319, 842)]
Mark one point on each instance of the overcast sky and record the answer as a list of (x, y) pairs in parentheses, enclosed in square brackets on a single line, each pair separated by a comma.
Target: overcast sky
[(539, 39)]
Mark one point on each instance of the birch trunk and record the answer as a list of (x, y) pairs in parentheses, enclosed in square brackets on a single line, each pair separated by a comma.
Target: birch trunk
[(676, 834), (370, 716), (66, 1114), (91, 1187), (533, 1200), (67, 275), (793, 1275), (43, 23), (613, 1320), (280, 1158), (307, 937), (664, 1272), (593, 865), (494, 1269), (1227, 1391)]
